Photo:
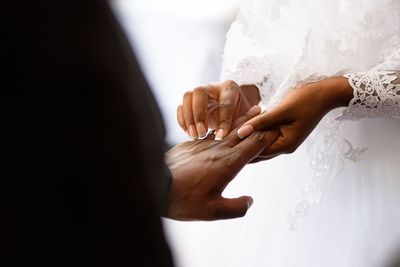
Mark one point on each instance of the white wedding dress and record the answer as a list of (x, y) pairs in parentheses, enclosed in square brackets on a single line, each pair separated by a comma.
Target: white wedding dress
[(335, 202)]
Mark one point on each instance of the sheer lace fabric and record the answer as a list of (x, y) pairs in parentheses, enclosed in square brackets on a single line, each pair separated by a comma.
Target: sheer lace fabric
[(346, 186), (376, 95), (280, 45)]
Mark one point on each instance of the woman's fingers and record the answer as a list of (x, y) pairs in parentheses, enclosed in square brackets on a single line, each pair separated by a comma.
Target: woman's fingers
[(188, 115), (227, 102), (264, 121), (180, 118), (200, 106), (212, 106), (232, 138)]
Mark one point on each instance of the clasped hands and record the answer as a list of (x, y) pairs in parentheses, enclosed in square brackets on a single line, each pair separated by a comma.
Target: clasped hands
[(201, 169)]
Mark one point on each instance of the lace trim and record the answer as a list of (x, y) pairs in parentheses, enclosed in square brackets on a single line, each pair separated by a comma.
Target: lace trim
[(375, 95)]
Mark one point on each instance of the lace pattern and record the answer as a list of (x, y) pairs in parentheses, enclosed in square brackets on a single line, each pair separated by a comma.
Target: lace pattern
[(376, 95), (334, 41)]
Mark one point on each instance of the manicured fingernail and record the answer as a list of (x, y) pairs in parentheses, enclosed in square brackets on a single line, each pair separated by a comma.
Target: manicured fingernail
[(245, 131), (193, 133), (249, 203), (201, 129), (219, 135)]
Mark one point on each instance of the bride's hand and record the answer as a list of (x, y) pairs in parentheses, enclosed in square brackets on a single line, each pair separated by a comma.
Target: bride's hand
[(298, 114), (215, 106)]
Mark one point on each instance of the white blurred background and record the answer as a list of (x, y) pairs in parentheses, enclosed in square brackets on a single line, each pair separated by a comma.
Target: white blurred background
[(179, 44)]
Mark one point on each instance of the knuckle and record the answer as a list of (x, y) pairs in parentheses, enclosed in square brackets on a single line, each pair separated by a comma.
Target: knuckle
[(226, 103), (258, 136), (227, 107), (232, 159), (225, 123), (199, 90), (231, 84)]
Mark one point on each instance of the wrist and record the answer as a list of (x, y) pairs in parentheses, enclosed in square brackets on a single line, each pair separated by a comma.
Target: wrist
[(337, 92)]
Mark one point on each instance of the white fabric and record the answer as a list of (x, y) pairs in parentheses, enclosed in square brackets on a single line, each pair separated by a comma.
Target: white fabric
[(335, 202), (376, 95)]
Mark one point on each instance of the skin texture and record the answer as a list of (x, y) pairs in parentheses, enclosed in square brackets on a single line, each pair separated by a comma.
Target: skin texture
[(298, 114), (202, 169), (295, 117), (215, 107)]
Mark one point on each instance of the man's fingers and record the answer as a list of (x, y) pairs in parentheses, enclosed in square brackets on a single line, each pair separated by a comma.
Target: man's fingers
[(227, 102), (253, 145), (245, 151), (188, 115), (259, 159), (200, 106), (231, 208), (280, 146), (232, 139), (254, 111)]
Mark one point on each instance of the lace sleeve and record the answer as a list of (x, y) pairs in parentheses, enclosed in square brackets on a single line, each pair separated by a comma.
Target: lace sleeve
[(376, 95)]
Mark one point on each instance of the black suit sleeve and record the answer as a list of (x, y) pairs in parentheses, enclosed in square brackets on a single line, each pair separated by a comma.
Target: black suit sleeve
[(84, 178)]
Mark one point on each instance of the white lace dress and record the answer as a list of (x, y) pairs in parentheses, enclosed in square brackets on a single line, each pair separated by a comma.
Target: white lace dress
[(335, 202)]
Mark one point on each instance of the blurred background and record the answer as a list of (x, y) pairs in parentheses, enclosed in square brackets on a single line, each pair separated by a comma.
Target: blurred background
[(179, 44)]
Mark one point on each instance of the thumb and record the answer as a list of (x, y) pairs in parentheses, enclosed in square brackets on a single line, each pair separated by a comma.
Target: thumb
[(264, 121), (233, 208)]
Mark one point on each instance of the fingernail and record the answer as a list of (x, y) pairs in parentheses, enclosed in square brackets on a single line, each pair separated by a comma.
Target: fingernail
[(249, 203), (245, 131), (220, 135), (201, 129), (193, 133)]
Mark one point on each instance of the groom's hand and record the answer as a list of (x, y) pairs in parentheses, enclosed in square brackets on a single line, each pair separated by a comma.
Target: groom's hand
[(201, 170)]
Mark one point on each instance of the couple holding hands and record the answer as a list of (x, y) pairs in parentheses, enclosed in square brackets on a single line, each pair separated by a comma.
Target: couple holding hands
[(94, 196)]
